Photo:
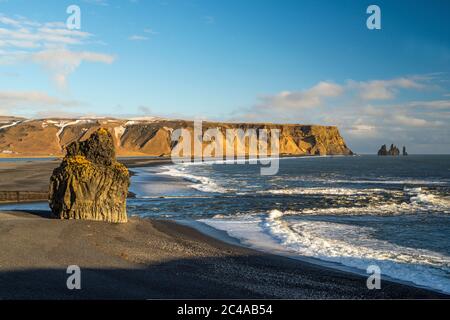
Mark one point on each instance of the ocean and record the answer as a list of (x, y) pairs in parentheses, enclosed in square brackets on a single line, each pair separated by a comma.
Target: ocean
[(343, 212), (351, 212)]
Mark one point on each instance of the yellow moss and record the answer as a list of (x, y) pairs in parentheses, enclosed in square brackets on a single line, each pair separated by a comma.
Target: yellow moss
[(83, 168), (78, 161), (121, 168), (79, 164), (102, 131)]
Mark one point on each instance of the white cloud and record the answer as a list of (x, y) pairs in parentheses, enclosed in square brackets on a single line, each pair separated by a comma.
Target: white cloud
[(410, 121), (137, 38), (309, 98), (42, 35), (61, 63), (47, 44), (433, 104), (9, 21), (383, 89), (150, 31), (363, 130), (15, 101)]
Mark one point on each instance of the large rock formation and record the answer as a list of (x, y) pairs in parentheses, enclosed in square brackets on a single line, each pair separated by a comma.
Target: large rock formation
[(151, 137), (383, 151), (90, 184), (393, 151)]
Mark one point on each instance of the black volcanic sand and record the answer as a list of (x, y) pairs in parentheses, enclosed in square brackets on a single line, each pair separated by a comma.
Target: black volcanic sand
[(150, 259), (157, 259)]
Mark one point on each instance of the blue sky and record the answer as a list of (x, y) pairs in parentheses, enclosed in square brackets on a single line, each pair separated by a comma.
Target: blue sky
[(236, 60)]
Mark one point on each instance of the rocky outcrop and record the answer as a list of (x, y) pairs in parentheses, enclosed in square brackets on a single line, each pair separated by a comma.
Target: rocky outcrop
[(50, 137), (404, 151), (90, 184), (383, 151), (393, 151)]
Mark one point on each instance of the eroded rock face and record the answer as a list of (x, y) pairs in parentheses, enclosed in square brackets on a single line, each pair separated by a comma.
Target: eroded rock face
[(50, 137), (393, 151), (90, 184), (383, 151)]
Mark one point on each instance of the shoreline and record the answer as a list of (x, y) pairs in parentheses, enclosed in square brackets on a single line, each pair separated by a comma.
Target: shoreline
[(223, 236), (235, 242), (157, 259)]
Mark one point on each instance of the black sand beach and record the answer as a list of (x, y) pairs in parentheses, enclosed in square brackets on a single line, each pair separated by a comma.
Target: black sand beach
[(151, 259), (147, 259)]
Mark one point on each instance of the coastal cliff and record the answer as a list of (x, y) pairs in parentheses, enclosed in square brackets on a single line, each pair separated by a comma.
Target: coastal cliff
[(151, 137)]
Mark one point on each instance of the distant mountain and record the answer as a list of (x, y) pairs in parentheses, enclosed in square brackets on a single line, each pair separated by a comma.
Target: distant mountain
[(150, 136)]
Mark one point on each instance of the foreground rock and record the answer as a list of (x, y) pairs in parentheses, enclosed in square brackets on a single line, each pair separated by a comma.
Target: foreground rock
[(90, 184)]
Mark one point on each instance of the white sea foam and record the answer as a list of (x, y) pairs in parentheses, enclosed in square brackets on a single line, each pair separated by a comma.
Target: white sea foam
[(200, 183), (354, 246), (326, 191), (401, 182), (374, 181), (420, 201), (428, 200), (349, 245), (288, 232)]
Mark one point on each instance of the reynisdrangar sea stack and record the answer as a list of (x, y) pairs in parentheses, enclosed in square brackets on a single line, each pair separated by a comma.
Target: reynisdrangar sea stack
[(90, 184)]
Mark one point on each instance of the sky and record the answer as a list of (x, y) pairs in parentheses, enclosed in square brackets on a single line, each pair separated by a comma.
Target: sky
[(285, 61)]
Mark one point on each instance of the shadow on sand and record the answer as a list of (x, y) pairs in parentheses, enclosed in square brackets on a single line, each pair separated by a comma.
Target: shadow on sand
[(196, 279)]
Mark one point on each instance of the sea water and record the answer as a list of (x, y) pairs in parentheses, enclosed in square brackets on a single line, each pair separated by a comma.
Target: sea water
[(393, 212)]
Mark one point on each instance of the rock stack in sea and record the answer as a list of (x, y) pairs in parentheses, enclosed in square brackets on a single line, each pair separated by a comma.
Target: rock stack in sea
[(90, 184), (393, 151), (404, 151)]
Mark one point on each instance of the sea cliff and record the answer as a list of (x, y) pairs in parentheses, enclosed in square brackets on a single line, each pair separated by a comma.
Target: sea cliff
[(50, 137)]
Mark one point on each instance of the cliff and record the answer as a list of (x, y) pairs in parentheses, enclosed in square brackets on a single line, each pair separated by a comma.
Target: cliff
[(50, 137)]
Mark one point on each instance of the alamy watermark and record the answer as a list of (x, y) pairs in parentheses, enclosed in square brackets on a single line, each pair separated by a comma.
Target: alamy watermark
[(73, 22), (74, 280), (374, 280), (374, 20), (232, 145)]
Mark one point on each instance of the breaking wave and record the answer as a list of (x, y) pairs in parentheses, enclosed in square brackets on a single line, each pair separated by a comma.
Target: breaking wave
[(200, 183), (326, 191), (354, 246)]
